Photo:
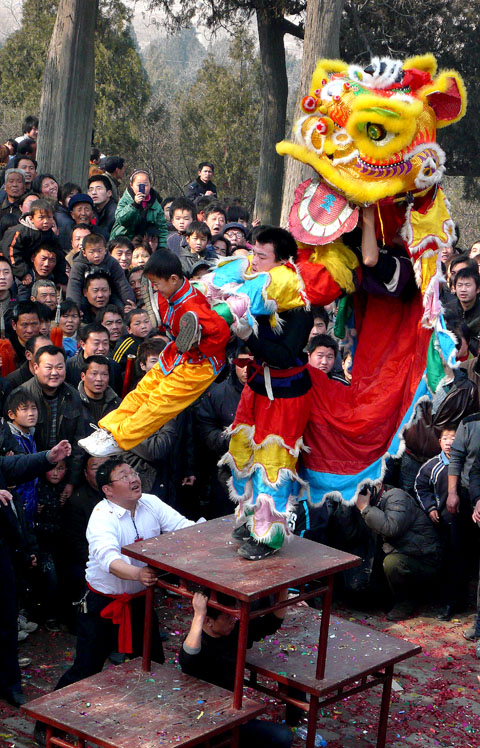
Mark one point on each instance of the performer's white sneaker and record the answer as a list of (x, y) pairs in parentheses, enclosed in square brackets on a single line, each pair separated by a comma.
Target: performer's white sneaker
[(100, 444)]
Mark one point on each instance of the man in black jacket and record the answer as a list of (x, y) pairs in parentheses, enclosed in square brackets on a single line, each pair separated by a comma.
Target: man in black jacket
[(209, 652), (203, 184), (96, 395), (12, 470), (100, 190), (60, 413), (94, 341)]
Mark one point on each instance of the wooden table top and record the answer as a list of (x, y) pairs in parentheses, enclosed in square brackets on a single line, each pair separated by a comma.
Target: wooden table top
[(126, 707), (207, 555), (353, 651)]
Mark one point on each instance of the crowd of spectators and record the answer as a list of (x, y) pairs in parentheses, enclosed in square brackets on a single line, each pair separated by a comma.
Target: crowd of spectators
[(71, 263)]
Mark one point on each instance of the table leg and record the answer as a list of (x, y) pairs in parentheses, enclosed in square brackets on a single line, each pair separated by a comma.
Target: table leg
[(312, 721), (323, 638), (385, 707), (147, 630), (48, 737), (241, 655), (235, 737)]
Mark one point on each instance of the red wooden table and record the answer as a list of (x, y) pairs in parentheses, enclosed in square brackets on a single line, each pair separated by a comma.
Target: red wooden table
[(205, 555), (358, 658), (125, 707)]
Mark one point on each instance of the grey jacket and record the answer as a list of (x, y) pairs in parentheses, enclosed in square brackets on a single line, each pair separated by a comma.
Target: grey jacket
[(119, 284), (464, 448), (403, 525)]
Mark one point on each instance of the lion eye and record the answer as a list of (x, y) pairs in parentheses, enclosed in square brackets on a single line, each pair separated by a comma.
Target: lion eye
[(376, 132)]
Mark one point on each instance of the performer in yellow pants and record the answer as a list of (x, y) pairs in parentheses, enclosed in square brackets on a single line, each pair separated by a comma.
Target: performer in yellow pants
[(186, 367), (157, 399)]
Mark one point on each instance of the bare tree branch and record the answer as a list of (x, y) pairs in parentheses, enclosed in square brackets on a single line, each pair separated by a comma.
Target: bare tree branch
[(293, 29)]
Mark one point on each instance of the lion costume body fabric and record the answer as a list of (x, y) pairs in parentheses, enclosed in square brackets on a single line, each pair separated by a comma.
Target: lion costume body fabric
[(370, 134)]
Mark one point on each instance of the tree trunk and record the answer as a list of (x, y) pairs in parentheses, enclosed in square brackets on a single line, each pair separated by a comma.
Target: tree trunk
[(322, 39), (268, 199), (67, 102)]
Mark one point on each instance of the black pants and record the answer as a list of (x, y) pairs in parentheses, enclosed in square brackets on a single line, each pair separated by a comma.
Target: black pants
[(453, 531), (9, 671), (409, 576), (259, 733), (97, 637)]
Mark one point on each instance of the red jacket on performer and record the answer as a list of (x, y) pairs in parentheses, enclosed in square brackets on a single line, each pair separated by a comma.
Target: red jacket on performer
[(215, 332)]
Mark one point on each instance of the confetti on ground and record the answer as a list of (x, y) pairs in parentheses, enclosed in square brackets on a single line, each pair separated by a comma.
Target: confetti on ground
[(437, 705)]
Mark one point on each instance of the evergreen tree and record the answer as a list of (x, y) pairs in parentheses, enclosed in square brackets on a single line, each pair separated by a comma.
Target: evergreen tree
[(220, 120), (122, 90)]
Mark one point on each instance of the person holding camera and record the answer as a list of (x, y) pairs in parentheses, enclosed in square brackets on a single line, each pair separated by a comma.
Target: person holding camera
[(410, 543), (139, 208)]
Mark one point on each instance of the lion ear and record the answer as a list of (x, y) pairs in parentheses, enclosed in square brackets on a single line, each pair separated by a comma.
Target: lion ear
[(324, 70), (426, 62), (447, 97)]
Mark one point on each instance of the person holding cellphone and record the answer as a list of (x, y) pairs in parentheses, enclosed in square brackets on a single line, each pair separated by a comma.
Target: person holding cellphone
[(140, 206)]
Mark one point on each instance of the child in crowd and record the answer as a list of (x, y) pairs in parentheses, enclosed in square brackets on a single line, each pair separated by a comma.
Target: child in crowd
[(138, 328), (69, 324), (201, 268), (431, 490), (197, 237), (22, 412), (186, 367), (94, 255), (121, 249), (45, 316), (182, 213), (138, 208), (21, 240)]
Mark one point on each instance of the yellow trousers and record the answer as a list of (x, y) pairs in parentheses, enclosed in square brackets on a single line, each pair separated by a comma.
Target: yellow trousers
[(155, 400)]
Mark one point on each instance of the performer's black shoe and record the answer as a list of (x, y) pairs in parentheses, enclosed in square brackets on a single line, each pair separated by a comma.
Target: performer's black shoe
[(254, 551), (189, 332), (241, 533)]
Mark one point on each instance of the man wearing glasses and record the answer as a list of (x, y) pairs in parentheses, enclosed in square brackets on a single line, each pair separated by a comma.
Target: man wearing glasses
[(236, 233), (112, 612)]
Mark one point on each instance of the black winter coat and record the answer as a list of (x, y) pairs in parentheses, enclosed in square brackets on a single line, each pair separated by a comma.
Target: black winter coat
[(70, 424)]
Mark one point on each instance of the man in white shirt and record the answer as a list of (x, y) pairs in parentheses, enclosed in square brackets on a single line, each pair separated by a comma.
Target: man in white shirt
[(117, 583)]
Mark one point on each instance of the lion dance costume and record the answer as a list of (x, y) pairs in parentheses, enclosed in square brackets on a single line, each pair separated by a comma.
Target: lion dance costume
[(370, 134)]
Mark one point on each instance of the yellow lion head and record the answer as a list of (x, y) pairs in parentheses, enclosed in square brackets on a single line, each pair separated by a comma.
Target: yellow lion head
[(371, 132)]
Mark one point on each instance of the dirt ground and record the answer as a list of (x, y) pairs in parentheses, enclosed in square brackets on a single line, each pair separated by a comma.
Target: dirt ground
[(435, 701)]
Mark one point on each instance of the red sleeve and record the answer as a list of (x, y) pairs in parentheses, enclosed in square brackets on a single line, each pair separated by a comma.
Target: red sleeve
[(215, 331)]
